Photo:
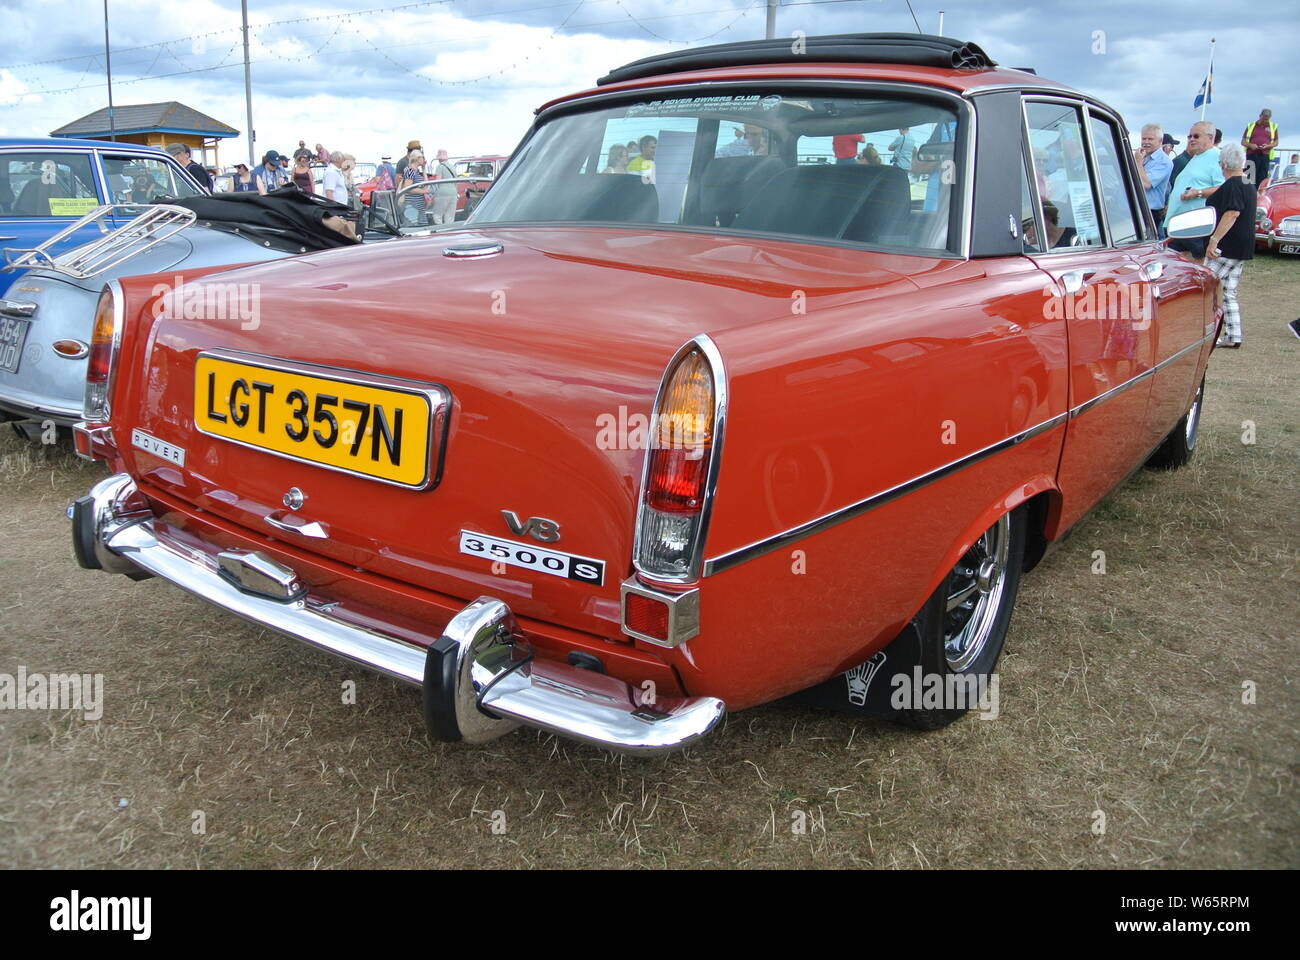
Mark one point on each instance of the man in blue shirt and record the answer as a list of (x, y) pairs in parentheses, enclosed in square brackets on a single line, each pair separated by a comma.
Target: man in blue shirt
[(903, 147), (1196, 182), (1154, 167)]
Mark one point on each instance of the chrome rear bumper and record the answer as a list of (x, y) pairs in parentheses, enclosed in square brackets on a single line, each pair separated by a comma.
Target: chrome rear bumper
[(479, 678)]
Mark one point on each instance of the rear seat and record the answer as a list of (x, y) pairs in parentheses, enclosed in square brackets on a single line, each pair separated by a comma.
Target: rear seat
[(730, 184), (859, 202)]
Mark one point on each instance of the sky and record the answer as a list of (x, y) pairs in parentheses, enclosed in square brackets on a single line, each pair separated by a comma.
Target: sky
[(365, 77)]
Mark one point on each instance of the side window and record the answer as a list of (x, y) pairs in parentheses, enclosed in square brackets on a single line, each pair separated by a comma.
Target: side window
[(143, 180), (36, 184), (1065, 187), (1028, 215), (1115, 194)]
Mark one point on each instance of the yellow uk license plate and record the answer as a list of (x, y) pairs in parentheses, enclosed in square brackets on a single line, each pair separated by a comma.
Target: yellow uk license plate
[(383, 428)]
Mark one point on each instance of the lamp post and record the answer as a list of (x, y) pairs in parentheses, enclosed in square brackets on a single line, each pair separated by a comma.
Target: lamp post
[(108, 70), (248, 87)]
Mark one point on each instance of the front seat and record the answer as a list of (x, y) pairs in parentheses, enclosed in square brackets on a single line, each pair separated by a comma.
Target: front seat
[(34, 201)]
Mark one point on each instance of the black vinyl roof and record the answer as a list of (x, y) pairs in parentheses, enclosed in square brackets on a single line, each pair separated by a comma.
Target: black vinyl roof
[(912, 49)]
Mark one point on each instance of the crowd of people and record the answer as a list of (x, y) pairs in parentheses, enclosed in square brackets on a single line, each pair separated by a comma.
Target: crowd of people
[(1221, 175), (434, 203)]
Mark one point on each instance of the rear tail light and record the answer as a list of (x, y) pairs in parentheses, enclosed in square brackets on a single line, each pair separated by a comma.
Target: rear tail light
[(104, 340), (681, 464)]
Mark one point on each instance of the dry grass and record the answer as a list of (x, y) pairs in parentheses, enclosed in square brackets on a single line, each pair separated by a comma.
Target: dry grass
[(1120, 693)]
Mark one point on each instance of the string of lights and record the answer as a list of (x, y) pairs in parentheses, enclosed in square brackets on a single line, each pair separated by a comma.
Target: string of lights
[(221, 33), (708, 36), (267, 54)]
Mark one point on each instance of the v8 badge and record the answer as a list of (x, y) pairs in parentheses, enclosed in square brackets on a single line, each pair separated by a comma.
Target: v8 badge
[(539, 528)]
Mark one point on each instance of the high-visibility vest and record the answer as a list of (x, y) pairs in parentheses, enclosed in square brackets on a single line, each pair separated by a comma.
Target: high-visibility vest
[(1272, 134)]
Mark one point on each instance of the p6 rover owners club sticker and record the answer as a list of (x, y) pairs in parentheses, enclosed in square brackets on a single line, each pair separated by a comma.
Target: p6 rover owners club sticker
[(531, 557)]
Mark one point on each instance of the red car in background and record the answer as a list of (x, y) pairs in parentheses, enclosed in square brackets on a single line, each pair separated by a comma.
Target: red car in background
[(469, 192), (1277, 216)]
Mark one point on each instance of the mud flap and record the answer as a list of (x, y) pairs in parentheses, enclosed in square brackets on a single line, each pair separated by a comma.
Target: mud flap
[(868, 687)]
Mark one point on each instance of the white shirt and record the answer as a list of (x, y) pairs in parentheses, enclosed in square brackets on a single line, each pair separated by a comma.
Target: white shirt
[(334, 185)]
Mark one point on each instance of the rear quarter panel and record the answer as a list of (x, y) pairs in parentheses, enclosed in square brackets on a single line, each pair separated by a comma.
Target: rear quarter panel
[(829, 409)]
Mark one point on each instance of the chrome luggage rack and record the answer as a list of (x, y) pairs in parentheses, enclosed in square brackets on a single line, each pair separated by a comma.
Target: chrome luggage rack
[(155, 224)]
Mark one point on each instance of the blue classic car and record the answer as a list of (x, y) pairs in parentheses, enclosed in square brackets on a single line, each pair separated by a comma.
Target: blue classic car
[(48, 184)]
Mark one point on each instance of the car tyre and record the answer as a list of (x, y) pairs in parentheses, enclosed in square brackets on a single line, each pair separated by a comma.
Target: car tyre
[(963, 626), (1177, 448)]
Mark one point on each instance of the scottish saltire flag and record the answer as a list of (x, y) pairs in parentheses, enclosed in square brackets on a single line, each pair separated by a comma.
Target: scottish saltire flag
[(1206, 91)]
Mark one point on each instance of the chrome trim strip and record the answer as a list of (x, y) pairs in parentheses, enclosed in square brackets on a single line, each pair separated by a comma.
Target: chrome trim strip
[(1039, 89), (726, 560), (1087, 405), (757, 549), (435, 394)]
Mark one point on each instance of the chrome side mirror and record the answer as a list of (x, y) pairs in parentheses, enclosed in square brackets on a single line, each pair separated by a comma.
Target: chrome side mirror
[(1191, 224)]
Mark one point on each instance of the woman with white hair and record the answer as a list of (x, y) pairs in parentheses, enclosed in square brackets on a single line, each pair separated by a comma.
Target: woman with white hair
[(1233, 240)]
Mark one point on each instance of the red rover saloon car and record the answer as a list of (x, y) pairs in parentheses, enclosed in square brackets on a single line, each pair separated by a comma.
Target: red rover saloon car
[(625, 451)]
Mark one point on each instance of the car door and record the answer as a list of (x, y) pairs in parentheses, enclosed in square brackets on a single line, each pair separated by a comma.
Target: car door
[(1098, 293), (1175, 291), (42, 191)]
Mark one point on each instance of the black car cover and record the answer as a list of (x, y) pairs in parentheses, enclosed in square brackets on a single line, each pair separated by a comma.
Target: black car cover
[(285, 218)]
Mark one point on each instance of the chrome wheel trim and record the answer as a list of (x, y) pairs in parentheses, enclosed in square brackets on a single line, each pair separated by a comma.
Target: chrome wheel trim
[(1193, 419), (975, 590)]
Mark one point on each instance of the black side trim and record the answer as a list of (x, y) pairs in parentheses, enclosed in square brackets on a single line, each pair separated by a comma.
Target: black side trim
[(912, 49), (83, 534), (439, 690)]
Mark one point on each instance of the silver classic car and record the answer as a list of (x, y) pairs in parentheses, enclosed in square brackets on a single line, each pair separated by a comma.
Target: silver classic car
[(47, 314)]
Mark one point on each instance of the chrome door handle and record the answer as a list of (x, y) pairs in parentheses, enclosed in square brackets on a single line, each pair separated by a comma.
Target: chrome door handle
[(306, 529), (1073, 280), (1152, 271)]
